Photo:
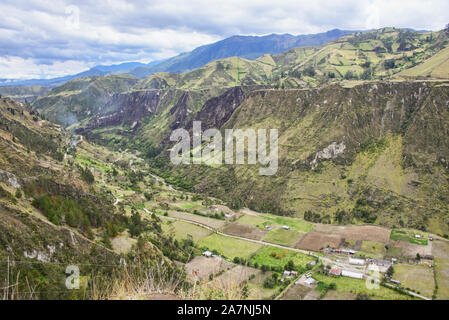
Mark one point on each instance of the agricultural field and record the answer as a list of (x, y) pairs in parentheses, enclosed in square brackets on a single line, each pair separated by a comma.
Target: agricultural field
[(297, 292), (283, 237), (244, 230), (416, 277), (257, 291), (278, 258), (354, 286), (234, 276), (441, 253), (317, 241), (200, 268), (409, 235), (211, 222), (229, 247), (184, 230), (264, 220), (373, 249)]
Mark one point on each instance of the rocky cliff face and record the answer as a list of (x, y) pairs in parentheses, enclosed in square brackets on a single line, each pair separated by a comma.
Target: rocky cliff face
[(380, 144)]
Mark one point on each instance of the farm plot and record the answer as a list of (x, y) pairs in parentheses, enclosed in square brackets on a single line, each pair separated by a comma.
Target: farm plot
[(276, 222), (364, 233), (233, 277), (317, 241), (200, 268), (373, 249), (347, 286), (243, 230), (257, 291), (229, 247), (403, 249), (296, 292), (416, 277), (283, 237), (213, 223), (278, 258), (184, 230), (441, 254), (409, 236)]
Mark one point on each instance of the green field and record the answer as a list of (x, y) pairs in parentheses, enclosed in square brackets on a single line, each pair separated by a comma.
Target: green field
[(355, 286), (229, 247), (185, 230), (283, 237), (418, 278), (373, 249), (277, 257), (408, 236), (276, 221)]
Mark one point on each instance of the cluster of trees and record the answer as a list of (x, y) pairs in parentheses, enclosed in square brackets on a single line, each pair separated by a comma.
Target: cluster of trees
[(86, 175)]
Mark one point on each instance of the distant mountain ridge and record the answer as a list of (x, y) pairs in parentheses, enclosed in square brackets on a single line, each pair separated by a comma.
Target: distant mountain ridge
[(249, 47)]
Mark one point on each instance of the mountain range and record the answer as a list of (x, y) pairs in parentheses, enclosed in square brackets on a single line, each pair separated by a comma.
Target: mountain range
[(250, 47)]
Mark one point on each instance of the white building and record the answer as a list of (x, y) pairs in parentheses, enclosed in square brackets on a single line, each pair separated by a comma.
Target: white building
[(351, 274), (207, 254), (359, 262), (286, 227)]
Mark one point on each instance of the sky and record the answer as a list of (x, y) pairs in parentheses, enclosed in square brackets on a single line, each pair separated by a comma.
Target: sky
[(46, 39)]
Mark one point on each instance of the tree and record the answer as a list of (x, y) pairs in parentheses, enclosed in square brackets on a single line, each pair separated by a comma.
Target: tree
[(290, 265), (390, 272), (362, 296), (18, 194)]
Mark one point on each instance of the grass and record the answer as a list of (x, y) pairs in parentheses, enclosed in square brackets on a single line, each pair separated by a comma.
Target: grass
[(283, 237), (276, 221), (254, 221), (408, 236), (373, 249), (416, 277), (355, 286), (277, 257), (187, 205), (229, 247), (185, 230), (294, 223)]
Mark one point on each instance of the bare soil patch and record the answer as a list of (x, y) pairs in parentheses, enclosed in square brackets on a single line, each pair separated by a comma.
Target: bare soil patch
[(234, 277), (244, 230), (202, 267), (406, 249), (317, 241), (296, 292), (364, 233), (338, 295)]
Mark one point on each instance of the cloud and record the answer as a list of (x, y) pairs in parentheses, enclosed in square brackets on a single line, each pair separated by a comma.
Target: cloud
[(53, 38)]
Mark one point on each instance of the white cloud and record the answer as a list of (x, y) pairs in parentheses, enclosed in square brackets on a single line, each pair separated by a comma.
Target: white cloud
[(58, 37)]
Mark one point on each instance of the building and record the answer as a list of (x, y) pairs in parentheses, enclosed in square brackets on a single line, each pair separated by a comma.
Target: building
[(207, 254), (347, 251), (352, 274), (335, 272), (310, 281), (355, 261), (311, 263), (286, 227), (268, 227), (395, 282), (380, 263)]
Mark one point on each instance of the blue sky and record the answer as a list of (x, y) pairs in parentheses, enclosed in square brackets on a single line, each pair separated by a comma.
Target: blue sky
[(45, 39)]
